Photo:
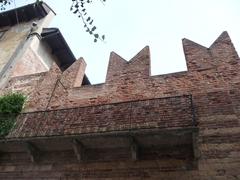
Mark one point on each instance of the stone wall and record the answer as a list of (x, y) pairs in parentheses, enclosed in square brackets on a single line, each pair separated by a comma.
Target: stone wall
[(212, 78)]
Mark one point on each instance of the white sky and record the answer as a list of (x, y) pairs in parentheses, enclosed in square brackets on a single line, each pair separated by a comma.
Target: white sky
[(130, 25)]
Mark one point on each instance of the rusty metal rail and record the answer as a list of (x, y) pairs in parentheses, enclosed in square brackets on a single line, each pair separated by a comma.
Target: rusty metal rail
[(167, 112)]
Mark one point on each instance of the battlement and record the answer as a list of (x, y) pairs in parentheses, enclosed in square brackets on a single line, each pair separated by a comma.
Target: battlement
[(137, 67), (209, 69), (219, 53)]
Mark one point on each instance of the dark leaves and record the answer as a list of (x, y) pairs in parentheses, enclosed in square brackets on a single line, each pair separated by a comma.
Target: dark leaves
[(94, 28), (88, 19), (4, 3), (75, 12), (80, 9), (76, 5)]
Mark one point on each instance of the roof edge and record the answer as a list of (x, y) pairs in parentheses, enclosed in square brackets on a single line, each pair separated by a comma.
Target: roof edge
[(24, 14)]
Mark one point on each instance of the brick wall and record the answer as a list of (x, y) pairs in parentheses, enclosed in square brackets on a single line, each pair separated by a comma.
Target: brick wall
[(212, 78), (170, 112)]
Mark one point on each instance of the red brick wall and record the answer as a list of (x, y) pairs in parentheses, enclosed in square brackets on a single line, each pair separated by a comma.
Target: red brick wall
[(213, 78), (208, 70), (171, 112)]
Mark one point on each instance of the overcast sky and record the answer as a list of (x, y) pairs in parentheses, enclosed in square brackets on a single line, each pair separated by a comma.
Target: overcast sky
[(130, 25)]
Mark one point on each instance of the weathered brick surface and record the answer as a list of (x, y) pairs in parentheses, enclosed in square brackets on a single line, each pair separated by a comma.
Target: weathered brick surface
[(169, 112), (24, 84), (213, 79)]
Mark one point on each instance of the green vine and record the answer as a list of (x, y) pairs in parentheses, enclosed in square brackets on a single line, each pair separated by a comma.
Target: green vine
[(10, 106)]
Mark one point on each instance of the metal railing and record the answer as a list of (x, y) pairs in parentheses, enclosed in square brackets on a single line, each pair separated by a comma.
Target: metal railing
[(167, 112)]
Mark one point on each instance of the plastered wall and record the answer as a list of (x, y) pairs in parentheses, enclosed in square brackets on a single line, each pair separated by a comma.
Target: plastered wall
[(23, 54)]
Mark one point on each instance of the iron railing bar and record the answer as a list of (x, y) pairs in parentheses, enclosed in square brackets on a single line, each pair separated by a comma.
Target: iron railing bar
[(125, 102), (187, 98)]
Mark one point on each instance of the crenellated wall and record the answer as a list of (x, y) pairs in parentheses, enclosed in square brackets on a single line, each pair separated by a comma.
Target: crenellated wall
[(209, 69), (213, 79)]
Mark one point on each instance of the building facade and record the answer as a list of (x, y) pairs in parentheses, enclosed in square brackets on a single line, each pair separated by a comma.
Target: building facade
[(183, 125)]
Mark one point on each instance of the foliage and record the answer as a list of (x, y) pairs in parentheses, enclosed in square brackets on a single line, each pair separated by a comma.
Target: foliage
[(10, 106), (4, 3), (79, 7)]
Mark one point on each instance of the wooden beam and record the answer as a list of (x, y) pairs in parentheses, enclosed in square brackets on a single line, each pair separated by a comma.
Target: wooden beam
[(33, 151), (78, 149), (134, 149)]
